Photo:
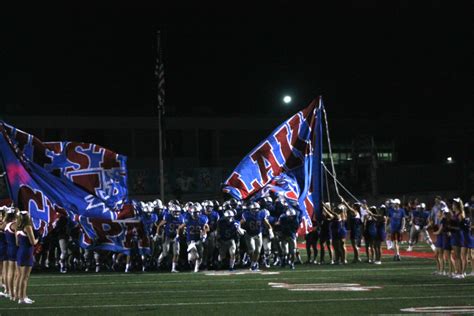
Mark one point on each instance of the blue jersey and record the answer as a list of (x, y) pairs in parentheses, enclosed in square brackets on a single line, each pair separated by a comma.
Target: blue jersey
[(227, 229), (172, 224), (148, 221), (194, 227), (269, 207), (163, 215), (289, 225), (420, 218), (186, 215), (253, 222), (396, 217), (212, 218), (239, 212)]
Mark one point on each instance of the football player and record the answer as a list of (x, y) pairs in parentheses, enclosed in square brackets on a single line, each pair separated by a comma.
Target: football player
[(227, 232), (265, 205), (252, 221), (289, 223), (173, 224), (196, 231), (210, 243)]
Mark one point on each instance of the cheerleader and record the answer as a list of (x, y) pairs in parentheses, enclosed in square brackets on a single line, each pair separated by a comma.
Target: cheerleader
[(312, 238), (444, 233), (439, 247), (457, 236), (338, 230), (10, 264), (466, 239), (3, 250), (325, 237), (25, 240), (381, 234), (467, 226), (342, 232), (355, 226), (370, 233)]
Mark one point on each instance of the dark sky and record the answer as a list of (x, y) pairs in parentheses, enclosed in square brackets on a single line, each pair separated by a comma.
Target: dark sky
[(406, 58)]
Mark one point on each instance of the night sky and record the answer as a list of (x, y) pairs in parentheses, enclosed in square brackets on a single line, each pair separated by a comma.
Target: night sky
[(404, 59)]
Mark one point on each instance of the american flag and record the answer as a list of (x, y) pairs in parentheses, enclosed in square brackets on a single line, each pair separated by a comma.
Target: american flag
[(160, 75)]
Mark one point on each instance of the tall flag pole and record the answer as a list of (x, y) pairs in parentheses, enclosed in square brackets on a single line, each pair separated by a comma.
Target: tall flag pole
[(160, 77), (317, 179)]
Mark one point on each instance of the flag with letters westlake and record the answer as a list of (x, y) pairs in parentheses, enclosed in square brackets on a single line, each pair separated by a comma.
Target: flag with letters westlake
[(288, 163), (86, 183)]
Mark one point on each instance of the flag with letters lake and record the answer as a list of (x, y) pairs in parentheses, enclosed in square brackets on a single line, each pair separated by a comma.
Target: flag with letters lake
[(85, 182), (287, 163)]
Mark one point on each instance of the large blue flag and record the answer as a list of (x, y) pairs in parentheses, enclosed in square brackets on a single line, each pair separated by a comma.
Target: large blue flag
[(288, 163), (85, 182)]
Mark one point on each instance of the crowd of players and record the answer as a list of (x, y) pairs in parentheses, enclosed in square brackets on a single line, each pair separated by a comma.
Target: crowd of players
[(263, 233)]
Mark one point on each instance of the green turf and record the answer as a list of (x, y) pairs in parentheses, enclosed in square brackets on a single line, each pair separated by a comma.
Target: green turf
[(404, 284)]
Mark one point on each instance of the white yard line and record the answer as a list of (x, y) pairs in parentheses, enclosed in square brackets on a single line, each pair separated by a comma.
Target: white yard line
[(212, 280), (440, 309), (231, 302), (224, 290), (154, 274), (153, 292)]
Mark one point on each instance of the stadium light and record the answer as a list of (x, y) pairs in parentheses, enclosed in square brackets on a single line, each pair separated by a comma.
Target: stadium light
[(287, 99)]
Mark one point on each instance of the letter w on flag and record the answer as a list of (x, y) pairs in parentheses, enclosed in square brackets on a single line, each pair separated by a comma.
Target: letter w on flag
[(287, 162)]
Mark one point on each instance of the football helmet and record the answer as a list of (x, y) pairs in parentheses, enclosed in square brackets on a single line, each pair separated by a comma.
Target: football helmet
[(158, 204), (208, 206), (229, 215), (195, 213), (188, 207), (198, 206), (254, 207), (175, 210), (290, 212)]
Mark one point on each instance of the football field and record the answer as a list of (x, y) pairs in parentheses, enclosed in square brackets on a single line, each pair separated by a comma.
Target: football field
[(393, 287)]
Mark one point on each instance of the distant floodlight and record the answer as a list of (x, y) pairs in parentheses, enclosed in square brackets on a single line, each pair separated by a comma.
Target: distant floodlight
[(449, 160), (287, 99)]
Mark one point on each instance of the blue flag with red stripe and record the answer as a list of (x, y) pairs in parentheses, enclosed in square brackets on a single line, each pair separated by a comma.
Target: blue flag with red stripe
[(288, 163), (86, 183)]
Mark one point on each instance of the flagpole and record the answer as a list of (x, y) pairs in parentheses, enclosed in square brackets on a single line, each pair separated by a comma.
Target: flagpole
[(160, 155), (159, 73)]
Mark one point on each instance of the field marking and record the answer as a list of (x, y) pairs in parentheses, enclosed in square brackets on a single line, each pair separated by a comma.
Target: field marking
[(224, 290), (152, 274), (243, 272), (232, 302), (225, 280), (150, 292), (440, 309), (324, 287)]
